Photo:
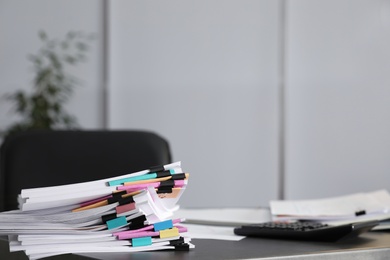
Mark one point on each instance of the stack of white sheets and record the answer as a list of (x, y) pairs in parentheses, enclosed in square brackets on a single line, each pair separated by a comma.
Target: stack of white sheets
[(128, 213)]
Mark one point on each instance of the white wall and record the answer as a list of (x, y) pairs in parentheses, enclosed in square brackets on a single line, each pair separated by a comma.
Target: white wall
[(20, 22), (338, 97), (204, 74)]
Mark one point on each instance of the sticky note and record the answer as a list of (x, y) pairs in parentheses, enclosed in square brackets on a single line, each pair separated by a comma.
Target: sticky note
[(124, 208), (163, 225), (141, 241), (116, 222), (172, 232)]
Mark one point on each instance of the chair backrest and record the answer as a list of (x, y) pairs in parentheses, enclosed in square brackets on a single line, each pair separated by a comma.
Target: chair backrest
[(46, 158)]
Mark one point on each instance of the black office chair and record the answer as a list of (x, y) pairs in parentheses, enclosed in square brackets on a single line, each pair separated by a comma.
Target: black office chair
[(46, 158)]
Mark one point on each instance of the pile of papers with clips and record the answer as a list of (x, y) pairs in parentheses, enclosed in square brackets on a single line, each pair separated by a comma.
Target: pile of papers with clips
[(128, 213)]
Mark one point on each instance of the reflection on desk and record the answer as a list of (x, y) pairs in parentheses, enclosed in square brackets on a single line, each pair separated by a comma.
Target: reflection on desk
[(372, 245)]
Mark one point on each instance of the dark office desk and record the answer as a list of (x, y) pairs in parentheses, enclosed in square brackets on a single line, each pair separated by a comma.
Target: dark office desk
[(373, 245)]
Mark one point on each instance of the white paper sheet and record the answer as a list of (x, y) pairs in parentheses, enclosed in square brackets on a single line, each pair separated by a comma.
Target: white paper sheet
[(224, 216), (211, 232), (343, 207)]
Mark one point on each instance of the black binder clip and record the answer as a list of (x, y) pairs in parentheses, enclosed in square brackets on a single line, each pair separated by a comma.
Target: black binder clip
[(182, 247), (157, 168), (360, 212), (108, 217)]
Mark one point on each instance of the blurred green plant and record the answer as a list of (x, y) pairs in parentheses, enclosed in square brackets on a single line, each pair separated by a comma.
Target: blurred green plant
[(43, 107)]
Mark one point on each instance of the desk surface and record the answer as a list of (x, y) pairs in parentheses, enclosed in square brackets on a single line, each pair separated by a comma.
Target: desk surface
[(373, 245)]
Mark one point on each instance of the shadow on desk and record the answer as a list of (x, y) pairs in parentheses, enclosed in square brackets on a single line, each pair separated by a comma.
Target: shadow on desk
[(372, 245), (6, 255)]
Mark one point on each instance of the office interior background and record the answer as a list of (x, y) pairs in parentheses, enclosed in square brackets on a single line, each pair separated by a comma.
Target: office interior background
[(259, 99)]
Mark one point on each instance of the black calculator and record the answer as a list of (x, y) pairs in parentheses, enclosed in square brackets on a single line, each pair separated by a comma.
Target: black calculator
[(305, 230)]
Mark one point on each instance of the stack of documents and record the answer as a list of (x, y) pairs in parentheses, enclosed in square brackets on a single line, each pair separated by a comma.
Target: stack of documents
[(349, 208), (128, 213)]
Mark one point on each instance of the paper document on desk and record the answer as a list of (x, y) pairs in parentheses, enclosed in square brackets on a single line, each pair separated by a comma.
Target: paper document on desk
[(374, 204), (224, 216), (218, 223), (212, 232)]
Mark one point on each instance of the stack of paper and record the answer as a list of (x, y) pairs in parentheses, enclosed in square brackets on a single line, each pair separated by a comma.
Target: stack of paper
[(129, 213), (349, 208)]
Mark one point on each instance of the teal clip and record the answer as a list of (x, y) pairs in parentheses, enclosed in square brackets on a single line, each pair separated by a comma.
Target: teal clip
[(116, 222), (141, 241), (131, 179)]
